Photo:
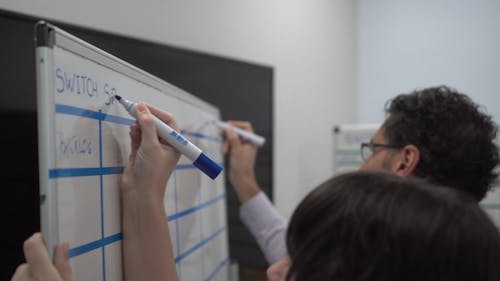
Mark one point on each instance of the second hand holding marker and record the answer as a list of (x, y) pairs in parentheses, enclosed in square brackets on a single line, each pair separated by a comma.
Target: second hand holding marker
[(184, 146), (246, 135)]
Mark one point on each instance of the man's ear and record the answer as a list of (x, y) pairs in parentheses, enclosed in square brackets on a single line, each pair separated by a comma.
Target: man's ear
[(407, 161)]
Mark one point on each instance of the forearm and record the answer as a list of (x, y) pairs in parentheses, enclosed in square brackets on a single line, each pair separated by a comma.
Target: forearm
[(246, 189), (267, 226), (147, 248)]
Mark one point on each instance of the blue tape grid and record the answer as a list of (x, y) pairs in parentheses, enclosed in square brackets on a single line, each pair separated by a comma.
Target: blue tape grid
[(178, 244), (85, 248), (217, 269), (200, 244), (195, 208), (101, 171), (97, 115)]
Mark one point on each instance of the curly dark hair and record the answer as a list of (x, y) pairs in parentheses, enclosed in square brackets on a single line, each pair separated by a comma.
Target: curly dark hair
[(378, 226), (454, 137)]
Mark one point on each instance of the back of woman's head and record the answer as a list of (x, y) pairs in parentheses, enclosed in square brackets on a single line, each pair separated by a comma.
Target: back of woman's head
[(373, 226)]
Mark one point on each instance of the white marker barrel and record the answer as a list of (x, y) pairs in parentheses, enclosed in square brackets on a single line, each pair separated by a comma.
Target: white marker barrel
[(245, 135), (184, 146)]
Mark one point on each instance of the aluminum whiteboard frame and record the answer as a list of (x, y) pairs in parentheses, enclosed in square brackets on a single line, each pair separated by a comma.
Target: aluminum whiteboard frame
[(48, 36)]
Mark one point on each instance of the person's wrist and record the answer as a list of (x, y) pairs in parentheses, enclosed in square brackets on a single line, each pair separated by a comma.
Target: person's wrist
[(138, 211), (141, 198), (246, 188)]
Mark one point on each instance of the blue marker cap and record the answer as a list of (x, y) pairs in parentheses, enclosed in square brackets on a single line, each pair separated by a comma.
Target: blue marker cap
[(208, 166)]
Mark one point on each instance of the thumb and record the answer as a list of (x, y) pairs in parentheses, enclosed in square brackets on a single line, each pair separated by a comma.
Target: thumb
[(37, 257), (61, 262)]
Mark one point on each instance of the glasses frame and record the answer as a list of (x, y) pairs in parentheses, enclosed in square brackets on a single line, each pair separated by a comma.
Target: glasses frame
[(372, 146)]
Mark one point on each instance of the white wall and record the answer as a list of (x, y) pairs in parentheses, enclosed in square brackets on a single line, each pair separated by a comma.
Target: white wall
[(310, 43), (405, 45)]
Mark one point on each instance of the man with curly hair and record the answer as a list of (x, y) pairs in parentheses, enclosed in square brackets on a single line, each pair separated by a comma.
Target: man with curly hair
[(436, 133)]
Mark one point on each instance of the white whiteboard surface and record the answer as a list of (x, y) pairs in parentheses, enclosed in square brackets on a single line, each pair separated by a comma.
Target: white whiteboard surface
[(347, 139), (84, 145)]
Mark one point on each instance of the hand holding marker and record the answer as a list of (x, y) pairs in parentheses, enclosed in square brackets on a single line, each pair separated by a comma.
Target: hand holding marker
[(184, 146), (245, 135)]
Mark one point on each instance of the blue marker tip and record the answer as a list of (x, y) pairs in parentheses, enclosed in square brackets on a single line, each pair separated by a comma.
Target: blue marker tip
[(208, 166)]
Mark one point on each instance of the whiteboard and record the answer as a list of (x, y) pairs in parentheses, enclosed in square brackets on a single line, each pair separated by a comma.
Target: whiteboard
[(84, 144), (347, 139)]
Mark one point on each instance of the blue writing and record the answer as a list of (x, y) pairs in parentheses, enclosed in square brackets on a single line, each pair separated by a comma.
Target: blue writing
[(75, 83), (110, 93), (61, 79), (74, 145), (92, 89), (179, 138), (69, 82), (78, 84)]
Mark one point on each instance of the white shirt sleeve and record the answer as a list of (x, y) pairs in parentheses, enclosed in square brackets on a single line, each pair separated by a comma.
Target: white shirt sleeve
[(267, 226)]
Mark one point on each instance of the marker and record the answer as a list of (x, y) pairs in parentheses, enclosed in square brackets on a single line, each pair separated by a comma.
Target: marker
[(184, 146), (246, 135)]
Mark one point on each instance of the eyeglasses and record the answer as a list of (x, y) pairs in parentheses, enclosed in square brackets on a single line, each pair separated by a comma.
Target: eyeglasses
[(368, 148)]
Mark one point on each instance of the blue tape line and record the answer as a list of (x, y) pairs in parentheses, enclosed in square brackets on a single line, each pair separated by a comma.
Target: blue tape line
[(80, 250), (82, 172), (117, 237), (71, 110), (85, 248), (198, 245), (118, 120), (195, 208), (103, 250), (200, 136), (77, 111), (217, 269), (178, 243)]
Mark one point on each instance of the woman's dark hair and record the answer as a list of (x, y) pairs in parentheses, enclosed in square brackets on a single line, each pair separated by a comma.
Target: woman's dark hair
[(455, 139), (376, 226)]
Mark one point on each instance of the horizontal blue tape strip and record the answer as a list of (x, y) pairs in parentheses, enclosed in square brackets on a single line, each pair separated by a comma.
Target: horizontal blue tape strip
[(85, 248), (117, 237), (83, 172), (199, 245), (71, 110), (118, 120), (217, 269), (77, 111), (195, 208)]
